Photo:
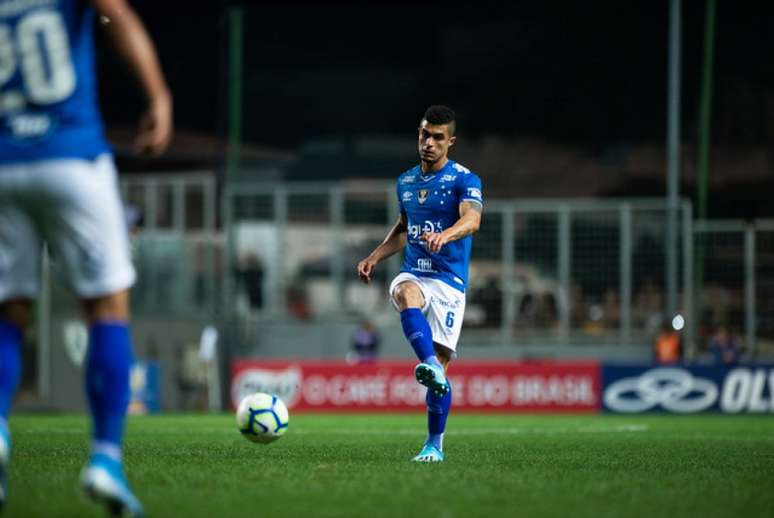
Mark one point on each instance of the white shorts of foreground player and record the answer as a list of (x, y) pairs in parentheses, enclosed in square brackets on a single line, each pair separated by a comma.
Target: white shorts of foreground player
[(75, 206), (444, 307)]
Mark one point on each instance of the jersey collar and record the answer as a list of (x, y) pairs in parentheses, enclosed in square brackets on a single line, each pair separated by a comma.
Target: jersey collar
[(427, 177)]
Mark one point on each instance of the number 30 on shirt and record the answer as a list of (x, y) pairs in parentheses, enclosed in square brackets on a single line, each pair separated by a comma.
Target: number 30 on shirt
[(38, 46)]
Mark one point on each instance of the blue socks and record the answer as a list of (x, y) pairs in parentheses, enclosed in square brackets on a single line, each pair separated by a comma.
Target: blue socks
[(107, 379), (107, 384), (10, 365), (437, 413), (419, 335)]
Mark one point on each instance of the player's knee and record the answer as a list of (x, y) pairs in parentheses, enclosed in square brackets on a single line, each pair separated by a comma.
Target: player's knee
[(113, 307), (17, 312), (407, 295)]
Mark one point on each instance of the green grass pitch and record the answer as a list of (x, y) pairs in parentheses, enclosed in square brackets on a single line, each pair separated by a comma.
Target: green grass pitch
[(351, 465)]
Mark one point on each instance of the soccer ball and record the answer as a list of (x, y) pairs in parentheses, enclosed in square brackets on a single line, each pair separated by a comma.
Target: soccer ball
[(262, 417)]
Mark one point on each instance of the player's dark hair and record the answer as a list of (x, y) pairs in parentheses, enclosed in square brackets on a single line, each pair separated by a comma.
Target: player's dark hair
[(440, 114)]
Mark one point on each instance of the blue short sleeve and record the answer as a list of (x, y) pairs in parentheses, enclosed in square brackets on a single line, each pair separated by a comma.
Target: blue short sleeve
[(469, 188), (401, 208)]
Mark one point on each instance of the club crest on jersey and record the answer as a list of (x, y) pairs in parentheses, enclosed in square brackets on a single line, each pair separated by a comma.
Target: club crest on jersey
[(423, 195)]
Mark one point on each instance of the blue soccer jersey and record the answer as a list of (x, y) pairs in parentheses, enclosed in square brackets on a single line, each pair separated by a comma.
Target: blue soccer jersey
[(48, 98), (431, 204)]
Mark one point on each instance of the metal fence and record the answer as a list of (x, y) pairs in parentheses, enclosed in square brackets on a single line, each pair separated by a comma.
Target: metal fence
[(735, 283), (177, 250), (542, 271)]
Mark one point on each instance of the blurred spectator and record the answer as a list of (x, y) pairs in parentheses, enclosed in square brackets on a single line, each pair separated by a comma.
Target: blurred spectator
[(298, 302), (490, 297), (548, 312), (724, 346), (365, 343), (191, 378), (527, 309), (578, 309), (250, 273), (134, 219), (611, 309), (594, 323), (648, 304), (667, 346)]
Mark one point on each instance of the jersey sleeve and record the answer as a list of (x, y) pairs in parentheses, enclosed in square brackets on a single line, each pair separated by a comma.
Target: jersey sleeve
[(469, 188), (401, 208)]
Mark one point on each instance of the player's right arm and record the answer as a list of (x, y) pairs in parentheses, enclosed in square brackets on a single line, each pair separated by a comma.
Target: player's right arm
[(394, 242), (132, 41)]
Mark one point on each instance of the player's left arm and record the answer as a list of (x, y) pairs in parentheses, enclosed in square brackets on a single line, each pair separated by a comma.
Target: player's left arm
[(469, 223), (134, 44)]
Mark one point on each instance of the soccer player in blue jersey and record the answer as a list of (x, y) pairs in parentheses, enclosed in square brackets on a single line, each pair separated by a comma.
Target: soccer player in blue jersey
[(58, 185), (440, 209)]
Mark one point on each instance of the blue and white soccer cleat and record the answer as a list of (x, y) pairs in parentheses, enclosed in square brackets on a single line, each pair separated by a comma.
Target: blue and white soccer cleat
[(104, 482), (432, 377), (5, 460), (429, 453)]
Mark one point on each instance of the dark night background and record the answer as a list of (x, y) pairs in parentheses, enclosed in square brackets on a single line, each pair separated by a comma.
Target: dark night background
[(591, 76)]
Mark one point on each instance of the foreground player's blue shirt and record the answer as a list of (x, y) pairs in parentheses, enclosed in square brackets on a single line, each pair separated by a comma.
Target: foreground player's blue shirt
[(431, 204), (48, 98)]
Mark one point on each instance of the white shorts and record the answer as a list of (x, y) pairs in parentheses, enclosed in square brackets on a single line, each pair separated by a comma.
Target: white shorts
[(74, 206), (444, 307)]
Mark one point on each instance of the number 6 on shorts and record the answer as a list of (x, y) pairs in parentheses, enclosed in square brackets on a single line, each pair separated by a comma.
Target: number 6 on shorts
[(450, 319)]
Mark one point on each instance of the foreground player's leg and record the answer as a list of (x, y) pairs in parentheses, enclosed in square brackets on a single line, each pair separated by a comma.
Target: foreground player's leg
[(108, 364), (10, 371), (430, 371), (437, 412)]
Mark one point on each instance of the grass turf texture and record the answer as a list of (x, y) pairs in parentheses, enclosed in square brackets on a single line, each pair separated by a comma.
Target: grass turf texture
[(334, 465)]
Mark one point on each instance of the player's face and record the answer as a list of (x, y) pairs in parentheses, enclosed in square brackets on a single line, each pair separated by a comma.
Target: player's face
[(434, 142)]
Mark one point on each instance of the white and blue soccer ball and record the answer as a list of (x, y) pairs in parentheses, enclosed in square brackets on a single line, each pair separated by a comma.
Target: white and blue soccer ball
[(262, 417)]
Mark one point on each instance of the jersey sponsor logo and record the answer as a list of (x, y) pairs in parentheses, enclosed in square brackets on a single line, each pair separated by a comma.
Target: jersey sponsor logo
[(673, 389), (448, 178), (474, 193), (407, 179), (415, 230), (424, 264), (407, 196), (446, 303), (423, 193)]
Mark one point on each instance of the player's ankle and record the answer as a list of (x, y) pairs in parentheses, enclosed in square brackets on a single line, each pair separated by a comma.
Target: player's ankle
[(436, 440), (433, 360), (106, 449)]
